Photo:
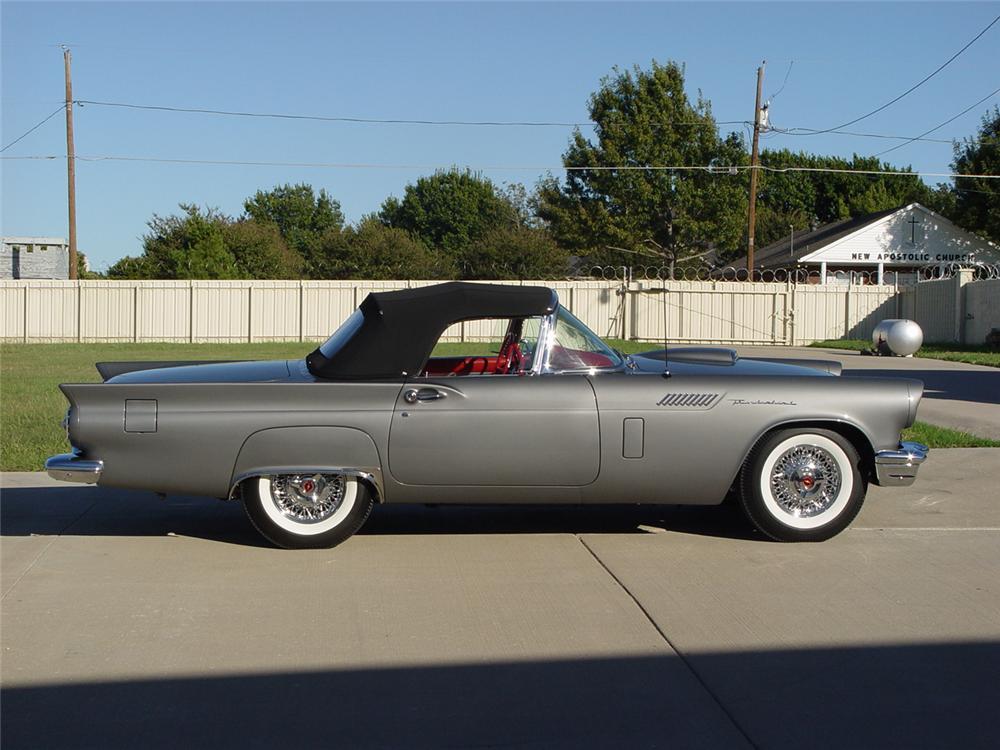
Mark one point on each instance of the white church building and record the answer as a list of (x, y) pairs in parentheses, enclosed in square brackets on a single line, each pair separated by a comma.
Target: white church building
[(886, 246)]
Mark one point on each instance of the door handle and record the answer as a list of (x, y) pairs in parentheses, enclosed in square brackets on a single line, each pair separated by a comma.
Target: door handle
[(424, 394)]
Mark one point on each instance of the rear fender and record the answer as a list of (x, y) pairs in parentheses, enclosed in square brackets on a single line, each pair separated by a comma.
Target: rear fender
[(302, 450)]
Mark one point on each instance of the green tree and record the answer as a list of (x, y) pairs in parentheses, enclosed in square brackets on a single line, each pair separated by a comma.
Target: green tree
[(777, 223), (260, 252), (373, 250), (449, 211), (132, 267), (644, 118), (806, 199), (189, 246), (206, 244), (517, 252), (942, 200), (204, 256), (523, 202), (302, 217), (977, 200), (82, 270)]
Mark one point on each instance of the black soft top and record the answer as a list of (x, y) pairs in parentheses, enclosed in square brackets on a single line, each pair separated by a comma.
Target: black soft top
[(401, 328)]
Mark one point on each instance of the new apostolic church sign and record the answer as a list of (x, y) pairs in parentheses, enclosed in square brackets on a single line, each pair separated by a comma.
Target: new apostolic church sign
[(910, 237)]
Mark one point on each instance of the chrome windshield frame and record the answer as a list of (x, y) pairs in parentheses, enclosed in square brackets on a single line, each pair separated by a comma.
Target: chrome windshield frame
[(546, 339), (543, 348)]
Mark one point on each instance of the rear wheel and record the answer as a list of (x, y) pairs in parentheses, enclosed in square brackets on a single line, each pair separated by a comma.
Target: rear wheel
[(802, 485), (299, 511)]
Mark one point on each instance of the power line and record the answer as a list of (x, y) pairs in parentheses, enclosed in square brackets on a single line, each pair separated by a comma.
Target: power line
[(938, 127), (788, 72), (372, 120), (712, 169), (489, 123), (324, 118), (33, 128), (917, 85), (884, 136)]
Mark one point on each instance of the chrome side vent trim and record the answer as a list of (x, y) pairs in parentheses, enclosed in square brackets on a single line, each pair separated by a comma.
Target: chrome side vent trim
[(689, 400)]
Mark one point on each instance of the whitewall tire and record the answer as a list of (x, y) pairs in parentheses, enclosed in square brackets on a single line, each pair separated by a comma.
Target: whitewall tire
[(299, 511), (802, 484)]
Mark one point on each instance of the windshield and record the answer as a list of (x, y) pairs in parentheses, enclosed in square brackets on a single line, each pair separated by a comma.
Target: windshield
[(576, 347), (528, 343), (342, 335)]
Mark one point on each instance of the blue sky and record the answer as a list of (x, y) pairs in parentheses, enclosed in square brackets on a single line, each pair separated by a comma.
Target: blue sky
[(473, 61)]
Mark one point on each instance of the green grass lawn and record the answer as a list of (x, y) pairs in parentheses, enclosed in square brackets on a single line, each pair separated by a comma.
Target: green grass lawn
[(31, 405), (942, 437), (973, 354)]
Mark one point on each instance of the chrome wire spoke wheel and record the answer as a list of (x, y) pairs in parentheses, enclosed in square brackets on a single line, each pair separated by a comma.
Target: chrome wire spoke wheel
[(805, 480), (308, 504), (308, 498), (803, 484)]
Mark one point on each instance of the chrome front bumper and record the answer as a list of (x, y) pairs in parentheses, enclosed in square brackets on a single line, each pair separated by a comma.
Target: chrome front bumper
[(898, 468), (69, 467)]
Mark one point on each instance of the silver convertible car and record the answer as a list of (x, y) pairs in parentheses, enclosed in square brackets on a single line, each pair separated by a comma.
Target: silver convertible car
[(554, 416)]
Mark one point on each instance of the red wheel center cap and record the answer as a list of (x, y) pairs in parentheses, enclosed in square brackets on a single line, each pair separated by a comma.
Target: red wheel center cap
[(808, 482), (308, 485)]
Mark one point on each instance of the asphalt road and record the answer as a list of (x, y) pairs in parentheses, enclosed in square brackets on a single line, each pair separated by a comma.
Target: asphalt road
[(134, 622)]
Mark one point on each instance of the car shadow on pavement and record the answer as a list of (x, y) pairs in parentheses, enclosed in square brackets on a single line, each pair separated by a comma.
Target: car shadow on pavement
[(915, 695), (978, 386), (98, 511), (718, 521)]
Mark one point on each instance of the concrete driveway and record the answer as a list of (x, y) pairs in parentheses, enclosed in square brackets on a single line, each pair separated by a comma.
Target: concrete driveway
[(957, 395), (130, 621)]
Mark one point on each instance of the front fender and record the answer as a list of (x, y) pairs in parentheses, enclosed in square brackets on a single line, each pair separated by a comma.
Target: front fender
[(295, 450)]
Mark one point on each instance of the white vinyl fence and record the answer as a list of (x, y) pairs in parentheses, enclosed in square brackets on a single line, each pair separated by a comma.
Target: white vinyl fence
[(981, 312), (713, 312), (956, 309)]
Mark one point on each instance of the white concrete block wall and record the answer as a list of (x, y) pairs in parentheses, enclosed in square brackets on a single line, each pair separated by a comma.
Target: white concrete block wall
[(42, 261)]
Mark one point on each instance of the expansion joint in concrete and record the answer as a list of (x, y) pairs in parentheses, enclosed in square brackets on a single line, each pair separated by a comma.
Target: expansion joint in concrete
[(666, 640)]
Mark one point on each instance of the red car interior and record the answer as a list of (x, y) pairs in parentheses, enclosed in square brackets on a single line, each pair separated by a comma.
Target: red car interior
[(477, 365), (560, 358)]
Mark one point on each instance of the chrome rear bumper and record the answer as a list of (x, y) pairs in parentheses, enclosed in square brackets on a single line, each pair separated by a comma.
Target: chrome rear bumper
[(69, 467), (898, 468)]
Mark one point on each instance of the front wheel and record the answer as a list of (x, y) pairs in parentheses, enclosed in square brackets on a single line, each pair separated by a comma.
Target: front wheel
[(802, 485), (300, 511)]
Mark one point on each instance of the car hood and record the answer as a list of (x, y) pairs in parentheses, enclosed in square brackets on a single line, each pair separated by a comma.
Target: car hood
[(212, 372), (718, 361)]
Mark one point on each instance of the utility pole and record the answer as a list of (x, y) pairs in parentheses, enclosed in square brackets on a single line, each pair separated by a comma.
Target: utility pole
[(70, 165), (754, 153)]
